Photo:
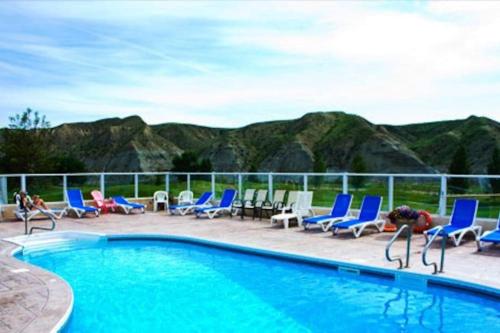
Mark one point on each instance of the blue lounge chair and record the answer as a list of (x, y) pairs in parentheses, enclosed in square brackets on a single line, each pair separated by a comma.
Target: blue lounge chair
[(492, 236), (225, 205), (126, 205), (339, 213), (462, 220), (203, 201), (369, 215), (76, 204)]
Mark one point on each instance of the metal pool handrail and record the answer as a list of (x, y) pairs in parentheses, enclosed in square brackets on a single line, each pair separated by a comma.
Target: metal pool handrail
[(408, 243), (26, 221), (443, 248)]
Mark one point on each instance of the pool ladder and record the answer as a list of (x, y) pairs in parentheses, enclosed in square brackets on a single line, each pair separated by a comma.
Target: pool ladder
[(30, 231), (409, 234), (408, 245), (444, 238)]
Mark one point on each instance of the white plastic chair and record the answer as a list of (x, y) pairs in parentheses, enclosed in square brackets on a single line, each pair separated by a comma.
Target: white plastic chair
[(160, 197), (185, 198)]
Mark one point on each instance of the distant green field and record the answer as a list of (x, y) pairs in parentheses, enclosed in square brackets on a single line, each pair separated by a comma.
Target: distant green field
[(418, 194)]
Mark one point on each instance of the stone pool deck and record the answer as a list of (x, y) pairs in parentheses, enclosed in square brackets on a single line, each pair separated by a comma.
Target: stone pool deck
[(33, 300)]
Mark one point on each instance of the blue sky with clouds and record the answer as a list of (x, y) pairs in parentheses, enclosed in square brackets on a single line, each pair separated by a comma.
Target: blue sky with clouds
[(231, 63)]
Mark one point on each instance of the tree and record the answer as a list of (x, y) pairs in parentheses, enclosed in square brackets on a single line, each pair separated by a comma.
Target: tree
[(459, 166), (205, 165), (494, 169), (189, 162), (253, 178), (319, 166), (68, 164), (358, 166), (186, 162), (25, 142)]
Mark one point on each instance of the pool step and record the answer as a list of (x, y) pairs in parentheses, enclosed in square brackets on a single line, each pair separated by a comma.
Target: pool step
[(56, 241)]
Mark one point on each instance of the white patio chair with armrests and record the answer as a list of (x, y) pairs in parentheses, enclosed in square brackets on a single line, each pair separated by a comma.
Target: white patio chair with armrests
[(256, 204), (237, 207), (271, 208), (160, 197), (185, 198)]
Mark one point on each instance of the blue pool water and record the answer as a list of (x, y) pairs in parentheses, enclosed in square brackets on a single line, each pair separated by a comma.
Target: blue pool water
[(164, 286)]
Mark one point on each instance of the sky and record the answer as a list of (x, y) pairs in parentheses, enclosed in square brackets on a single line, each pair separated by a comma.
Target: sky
[(231, 63)]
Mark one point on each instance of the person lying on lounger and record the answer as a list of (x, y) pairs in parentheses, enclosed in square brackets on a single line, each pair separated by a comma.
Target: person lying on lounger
[(38, 202), (26, 203)]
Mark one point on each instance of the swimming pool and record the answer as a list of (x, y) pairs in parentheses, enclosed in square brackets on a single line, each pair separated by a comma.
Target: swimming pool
[(126, 285)]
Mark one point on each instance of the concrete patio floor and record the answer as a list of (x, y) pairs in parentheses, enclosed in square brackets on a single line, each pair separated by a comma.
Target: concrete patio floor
[(33, 300)]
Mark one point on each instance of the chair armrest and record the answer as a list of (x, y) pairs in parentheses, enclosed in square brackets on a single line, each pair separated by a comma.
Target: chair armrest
[(278, 205), (259, 203), (246, 202), (237, 201)]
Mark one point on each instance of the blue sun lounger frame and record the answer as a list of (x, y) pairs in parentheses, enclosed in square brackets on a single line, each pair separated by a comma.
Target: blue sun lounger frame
[(492, 236), (369, 215), (128, 206), (202, 202), (339, 213), (76, 204), (225, 205), (462, 220)]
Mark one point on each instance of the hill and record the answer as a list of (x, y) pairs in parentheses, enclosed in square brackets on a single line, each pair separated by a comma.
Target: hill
[(129, 144)]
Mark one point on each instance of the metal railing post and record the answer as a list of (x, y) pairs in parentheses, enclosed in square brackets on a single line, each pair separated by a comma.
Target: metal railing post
[(345, 183), (442, 196), (136, 185), (103, 185), (270, 186), (4, 190), (23, 183), (212, 182), (167, 182), (65, 186), (391, 193), (239, 186), (188, 182), (305, 182)]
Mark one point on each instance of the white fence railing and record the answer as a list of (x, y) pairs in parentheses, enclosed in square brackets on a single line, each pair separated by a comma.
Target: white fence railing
[(433, 192)]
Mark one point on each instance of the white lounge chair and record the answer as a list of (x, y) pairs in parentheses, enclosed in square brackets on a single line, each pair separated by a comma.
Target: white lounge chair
[(302, 208), (160, 197), (27, 214)]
